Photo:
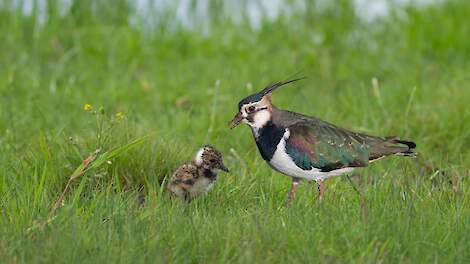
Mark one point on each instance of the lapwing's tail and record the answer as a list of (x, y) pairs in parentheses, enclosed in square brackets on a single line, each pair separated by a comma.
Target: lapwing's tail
[(407, 147)]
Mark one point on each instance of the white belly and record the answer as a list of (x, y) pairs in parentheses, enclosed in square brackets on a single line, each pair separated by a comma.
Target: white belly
[(201, 186), (284, 164)]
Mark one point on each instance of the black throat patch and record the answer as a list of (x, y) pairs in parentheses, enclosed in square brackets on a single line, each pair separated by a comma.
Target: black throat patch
[(269, 137)]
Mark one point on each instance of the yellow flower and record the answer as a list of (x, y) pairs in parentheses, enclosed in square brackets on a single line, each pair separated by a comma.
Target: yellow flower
[(87, 107), (119, 115)]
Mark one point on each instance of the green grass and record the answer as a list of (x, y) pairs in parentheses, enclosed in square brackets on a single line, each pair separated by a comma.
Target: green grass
[(181, 88)]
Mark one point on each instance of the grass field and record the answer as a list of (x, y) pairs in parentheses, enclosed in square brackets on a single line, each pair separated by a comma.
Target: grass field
[(157, 96)]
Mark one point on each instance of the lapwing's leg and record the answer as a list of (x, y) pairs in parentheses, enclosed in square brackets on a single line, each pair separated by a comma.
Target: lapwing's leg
[(186, 196), (293, 189), (321, 188)]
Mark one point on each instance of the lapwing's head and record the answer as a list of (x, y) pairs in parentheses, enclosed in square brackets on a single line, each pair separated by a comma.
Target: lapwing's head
[(256, 109), (209, 158)]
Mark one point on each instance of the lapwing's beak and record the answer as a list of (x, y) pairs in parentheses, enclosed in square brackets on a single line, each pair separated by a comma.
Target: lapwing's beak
[(236, 120), (223, 167)]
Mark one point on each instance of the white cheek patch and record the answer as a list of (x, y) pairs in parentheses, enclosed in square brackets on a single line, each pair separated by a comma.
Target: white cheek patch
[(198, 158), (260, 118), (244, 115)]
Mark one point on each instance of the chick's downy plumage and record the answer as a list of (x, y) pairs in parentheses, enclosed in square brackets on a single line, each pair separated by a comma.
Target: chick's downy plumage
[(196, 177)]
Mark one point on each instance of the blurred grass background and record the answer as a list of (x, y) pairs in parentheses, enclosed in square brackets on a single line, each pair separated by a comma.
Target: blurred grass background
[(404, 74)]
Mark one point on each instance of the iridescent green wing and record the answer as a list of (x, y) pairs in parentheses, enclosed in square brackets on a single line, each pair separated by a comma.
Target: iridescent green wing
[(317, 144)]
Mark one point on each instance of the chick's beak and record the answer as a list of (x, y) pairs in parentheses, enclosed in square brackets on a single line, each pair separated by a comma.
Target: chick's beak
[(223, 167), (237, 119)]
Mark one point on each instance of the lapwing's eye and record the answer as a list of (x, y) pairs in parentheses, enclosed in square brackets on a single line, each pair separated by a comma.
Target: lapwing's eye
[(251, 108)]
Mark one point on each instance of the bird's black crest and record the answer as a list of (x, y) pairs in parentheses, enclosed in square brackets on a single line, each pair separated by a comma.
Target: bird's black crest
[(267, 90)]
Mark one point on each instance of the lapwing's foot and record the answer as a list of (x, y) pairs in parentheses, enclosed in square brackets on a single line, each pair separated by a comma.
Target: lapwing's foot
[(321, 189), (293, 190)]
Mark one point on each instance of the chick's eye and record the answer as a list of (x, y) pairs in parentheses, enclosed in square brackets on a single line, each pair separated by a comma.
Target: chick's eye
[(251, 108)]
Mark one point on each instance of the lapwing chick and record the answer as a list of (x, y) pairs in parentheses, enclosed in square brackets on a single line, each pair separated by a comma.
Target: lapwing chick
[(196, 177), (305, 147)]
